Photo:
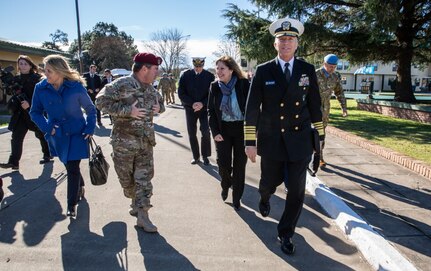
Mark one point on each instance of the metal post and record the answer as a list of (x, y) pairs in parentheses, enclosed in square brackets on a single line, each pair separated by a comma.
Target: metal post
[(79, 38)]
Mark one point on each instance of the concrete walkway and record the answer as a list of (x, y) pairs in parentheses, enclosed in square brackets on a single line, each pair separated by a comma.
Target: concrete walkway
[(197, 230)]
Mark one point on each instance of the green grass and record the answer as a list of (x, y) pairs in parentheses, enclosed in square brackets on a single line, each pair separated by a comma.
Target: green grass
[(407, 137)]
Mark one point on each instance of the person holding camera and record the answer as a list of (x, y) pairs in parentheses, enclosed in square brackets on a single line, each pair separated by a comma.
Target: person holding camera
[(22, 88)]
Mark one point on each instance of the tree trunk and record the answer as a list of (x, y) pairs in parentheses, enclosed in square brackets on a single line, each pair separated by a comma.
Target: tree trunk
[(404, 89), (405, 36)]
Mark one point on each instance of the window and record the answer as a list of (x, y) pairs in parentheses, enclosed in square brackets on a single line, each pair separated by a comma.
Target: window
[(243, 63), (346, 65), (394, 67), (340, 65), (343, 80)]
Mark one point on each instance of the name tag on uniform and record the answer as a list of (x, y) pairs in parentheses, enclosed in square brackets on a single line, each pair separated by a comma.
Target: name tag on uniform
[(267, 83)]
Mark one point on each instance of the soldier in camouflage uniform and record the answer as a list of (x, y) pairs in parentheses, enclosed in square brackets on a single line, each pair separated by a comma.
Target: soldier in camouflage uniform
[(329, 81), (132, 101), (173, 87), (165, 86)]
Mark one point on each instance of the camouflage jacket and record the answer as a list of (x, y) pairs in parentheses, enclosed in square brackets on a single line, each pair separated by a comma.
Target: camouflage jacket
[(164, 84), (330, 84), (117, 98), (173, 83)]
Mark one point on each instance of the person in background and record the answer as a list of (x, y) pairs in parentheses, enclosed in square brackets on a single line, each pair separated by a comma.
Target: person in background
[(164, 86), (93, 87), (226, 108), (19, 105), (173, 87), (132, 101), (193, 89), (329, 82), (57, 110), (282, 105), (107, 79)]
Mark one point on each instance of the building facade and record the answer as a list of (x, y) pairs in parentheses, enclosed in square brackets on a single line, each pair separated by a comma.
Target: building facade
[(10, 51)]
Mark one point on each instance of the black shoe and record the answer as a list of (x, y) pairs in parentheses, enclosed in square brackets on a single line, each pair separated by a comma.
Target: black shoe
[(287, 246), (45, 160), (224, 193), (237, 206), (9, 165), (206, 161), (194, 161), (71, 211), (264, 208)]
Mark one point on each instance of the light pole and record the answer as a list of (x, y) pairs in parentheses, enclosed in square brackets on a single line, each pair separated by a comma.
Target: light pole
[(79, 37)]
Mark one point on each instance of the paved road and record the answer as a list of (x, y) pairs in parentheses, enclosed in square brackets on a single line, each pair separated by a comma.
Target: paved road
[(197, 230)]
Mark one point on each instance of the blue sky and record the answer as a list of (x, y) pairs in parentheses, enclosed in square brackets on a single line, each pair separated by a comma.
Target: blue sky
[(31, 22)]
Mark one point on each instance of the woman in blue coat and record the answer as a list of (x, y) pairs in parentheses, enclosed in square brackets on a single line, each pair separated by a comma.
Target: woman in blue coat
[(56, 109)]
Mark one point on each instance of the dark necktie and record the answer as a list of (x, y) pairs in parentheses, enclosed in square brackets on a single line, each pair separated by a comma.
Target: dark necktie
[(287, 72)]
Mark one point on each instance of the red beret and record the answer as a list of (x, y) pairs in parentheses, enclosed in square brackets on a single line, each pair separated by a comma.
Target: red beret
[(147, 58)]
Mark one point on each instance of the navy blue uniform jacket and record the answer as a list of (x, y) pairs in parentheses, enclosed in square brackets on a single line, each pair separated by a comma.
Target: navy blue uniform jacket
[(282, 113)]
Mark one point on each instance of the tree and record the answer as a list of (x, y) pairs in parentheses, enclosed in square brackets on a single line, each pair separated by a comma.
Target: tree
[(360, 31), (106, 47), (228, 47), (57, 37), (170, 45)]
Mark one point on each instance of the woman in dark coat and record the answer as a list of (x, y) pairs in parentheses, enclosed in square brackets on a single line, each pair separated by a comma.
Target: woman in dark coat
[(62, 96), (226, 107), (19, 105)]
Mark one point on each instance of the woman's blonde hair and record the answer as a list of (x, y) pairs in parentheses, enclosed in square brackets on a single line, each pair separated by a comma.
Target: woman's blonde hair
[(60, 65), (232, 65)]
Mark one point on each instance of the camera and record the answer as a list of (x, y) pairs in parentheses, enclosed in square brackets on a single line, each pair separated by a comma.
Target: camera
[(12, 87)]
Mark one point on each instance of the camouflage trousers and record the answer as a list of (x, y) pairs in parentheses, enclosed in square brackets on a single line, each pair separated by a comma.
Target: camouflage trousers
[(134, 164), (172, 95), (166, 96), (326, 107)]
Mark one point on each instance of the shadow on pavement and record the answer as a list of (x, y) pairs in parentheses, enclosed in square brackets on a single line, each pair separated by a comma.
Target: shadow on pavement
[(386, 220), (159, 255), (85, 250), (31, 199), (160, 129), (102, 131), (306, 257)]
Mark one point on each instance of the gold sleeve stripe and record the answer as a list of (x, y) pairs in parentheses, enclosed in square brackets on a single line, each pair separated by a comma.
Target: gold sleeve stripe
[(249, 133), (319, 127)]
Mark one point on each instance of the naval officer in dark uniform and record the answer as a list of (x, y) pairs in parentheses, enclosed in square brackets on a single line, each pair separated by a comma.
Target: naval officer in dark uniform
[(282, 107)]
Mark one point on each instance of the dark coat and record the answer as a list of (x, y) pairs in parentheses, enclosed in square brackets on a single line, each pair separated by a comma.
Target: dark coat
[(194, 88), (26, 83), (215, 115), (64, 112), (93, 83), (282, 113)]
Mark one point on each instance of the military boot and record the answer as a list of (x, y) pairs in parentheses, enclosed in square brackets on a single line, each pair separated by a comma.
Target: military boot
[(144, 220), (133, 211)]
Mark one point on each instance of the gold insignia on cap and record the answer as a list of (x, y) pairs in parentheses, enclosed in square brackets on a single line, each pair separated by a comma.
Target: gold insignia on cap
[(286, 25)]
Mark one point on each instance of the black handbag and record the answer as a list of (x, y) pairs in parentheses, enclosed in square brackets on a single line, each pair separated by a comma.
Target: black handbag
[(99, 168)]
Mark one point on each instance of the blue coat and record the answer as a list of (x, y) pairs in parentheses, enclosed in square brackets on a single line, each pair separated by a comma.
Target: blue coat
[(63, 110)]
